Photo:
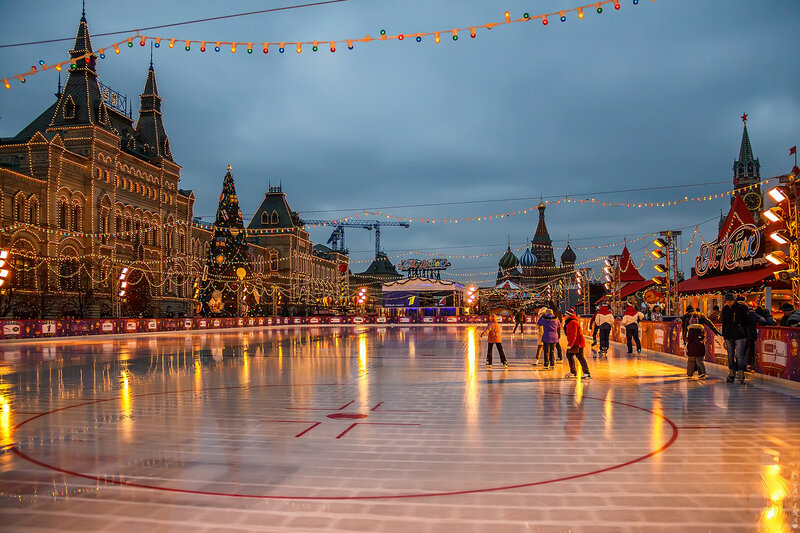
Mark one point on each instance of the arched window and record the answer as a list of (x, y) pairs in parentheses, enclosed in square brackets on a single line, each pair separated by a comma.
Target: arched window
[(273, 260), (19, 208), (69, 274), (264, 218), (33, 211), (23, 272), (180, 283), (127, 228), (118, 222), (62, 214), (76, 217), (274, 218)]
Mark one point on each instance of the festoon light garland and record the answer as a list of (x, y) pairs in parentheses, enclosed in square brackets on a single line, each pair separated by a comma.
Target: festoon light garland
[(248, 46)]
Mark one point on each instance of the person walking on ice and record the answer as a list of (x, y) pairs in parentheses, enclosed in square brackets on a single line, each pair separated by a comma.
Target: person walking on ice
[(519, 322), (575, 345), (493, 331)]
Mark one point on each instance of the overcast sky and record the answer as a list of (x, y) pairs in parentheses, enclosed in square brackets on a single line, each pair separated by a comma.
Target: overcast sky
[(646, 96)]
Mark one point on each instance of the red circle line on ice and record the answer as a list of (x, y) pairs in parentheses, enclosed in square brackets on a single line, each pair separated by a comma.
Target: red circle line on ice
[(114, 479)]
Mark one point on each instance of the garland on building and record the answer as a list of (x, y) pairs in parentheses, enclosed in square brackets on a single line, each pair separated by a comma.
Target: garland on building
[(228, 257)]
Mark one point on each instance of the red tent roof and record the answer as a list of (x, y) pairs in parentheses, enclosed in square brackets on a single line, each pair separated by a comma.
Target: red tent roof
[(737, 216), (627, 270), (738, 280)]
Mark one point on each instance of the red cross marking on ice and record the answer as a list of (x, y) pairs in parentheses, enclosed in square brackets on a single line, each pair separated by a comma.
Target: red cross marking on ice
[(339, 415)]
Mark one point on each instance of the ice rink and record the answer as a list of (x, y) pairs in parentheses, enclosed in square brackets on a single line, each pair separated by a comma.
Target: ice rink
[(380, 429)]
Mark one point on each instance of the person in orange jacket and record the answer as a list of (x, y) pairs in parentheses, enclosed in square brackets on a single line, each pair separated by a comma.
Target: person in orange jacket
[(493, 331), (575, 345)]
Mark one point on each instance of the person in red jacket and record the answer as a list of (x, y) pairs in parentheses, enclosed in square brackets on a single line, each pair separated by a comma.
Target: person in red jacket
[(575, 345), (493, 329)]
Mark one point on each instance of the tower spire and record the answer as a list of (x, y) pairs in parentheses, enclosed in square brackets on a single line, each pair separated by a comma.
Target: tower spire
[(745, 150)]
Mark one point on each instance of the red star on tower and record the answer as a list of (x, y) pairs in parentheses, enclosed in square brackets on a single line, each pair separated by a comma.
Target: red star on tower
[(744, 117)]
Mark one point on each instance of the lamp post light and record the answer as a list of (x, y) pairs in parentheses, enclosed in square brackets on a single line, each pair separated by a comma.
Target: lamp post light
[(668, 250)]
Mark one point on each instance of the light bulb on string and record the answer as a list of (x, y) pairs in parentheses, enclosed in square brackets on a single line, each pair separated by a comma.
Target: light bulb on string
[(526, 15), (563, 17), (400, 37), (142, 41), (544, 20), (188, 46), (349, 45), (419, 38), (171, 43), (508, 17), (315, 46), (299, 49), (282, 48), (130, 42), (333, 46), (216, 48), (157, 44), (580, 12), (249, 48), (266, 48), (233, 48), (472, 32), (455, 35), (436, 37), (202, 46)]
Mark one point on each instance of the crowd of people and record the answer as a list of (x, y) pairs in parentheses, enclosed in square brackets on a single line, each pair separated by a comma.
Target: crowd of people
[(550, 325), (739, 330)]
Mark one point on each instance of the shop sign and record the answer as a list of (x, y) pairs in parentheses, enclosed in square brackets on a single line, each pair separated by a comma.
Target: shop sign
[(108, 326), (739, 250)]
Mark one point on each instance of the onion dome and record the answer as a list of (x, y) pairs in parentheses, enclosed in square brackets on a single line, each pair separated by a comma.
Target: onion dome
[(568, 256), (509, 260), (527, 259)]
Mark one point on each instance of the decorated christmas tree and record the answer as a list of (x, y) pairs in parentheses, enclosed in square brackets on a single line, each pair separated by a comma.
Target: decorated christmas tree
[(228, 265)]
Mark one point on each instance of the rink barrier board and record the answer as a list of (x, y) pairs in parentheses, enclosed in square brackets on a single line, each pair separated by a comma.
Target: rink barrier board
[(776, 347)]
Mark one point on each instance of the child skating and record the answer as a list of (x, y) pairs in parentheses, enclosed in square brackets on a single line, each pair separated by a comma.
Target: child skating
[(493, 331)]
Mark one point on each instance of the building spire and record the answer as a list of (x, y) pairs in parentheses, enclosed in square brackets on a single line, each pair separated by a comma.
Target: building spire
[(150, 125), (746, 150)]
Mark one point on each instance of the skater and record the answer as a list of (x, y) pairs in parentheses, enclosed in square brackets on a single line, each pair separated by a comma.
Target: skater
[(519, 321), (539, 330), (791, 317), (630, 321), (550, 326), (734, 330), (560, 317), (575, 345), (493, 330), (594, 326), (604, 321), (753, 321), (656, 315), (694, 339)]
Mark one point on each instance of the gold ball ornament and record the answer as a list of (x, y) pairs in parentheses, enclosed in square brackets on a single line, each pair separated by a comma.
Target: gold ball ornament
[(241, 272), (220, 258)]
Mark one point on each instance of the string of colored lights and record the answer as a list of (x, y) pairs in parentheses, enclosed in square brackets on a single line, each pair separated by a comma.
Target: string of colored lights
[(233, 46), (266, 231), (568, 200)]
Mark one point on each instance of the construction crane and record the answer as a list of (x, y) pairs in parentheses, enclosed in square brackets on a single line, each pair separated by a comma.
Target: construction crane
[(336, 239)]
